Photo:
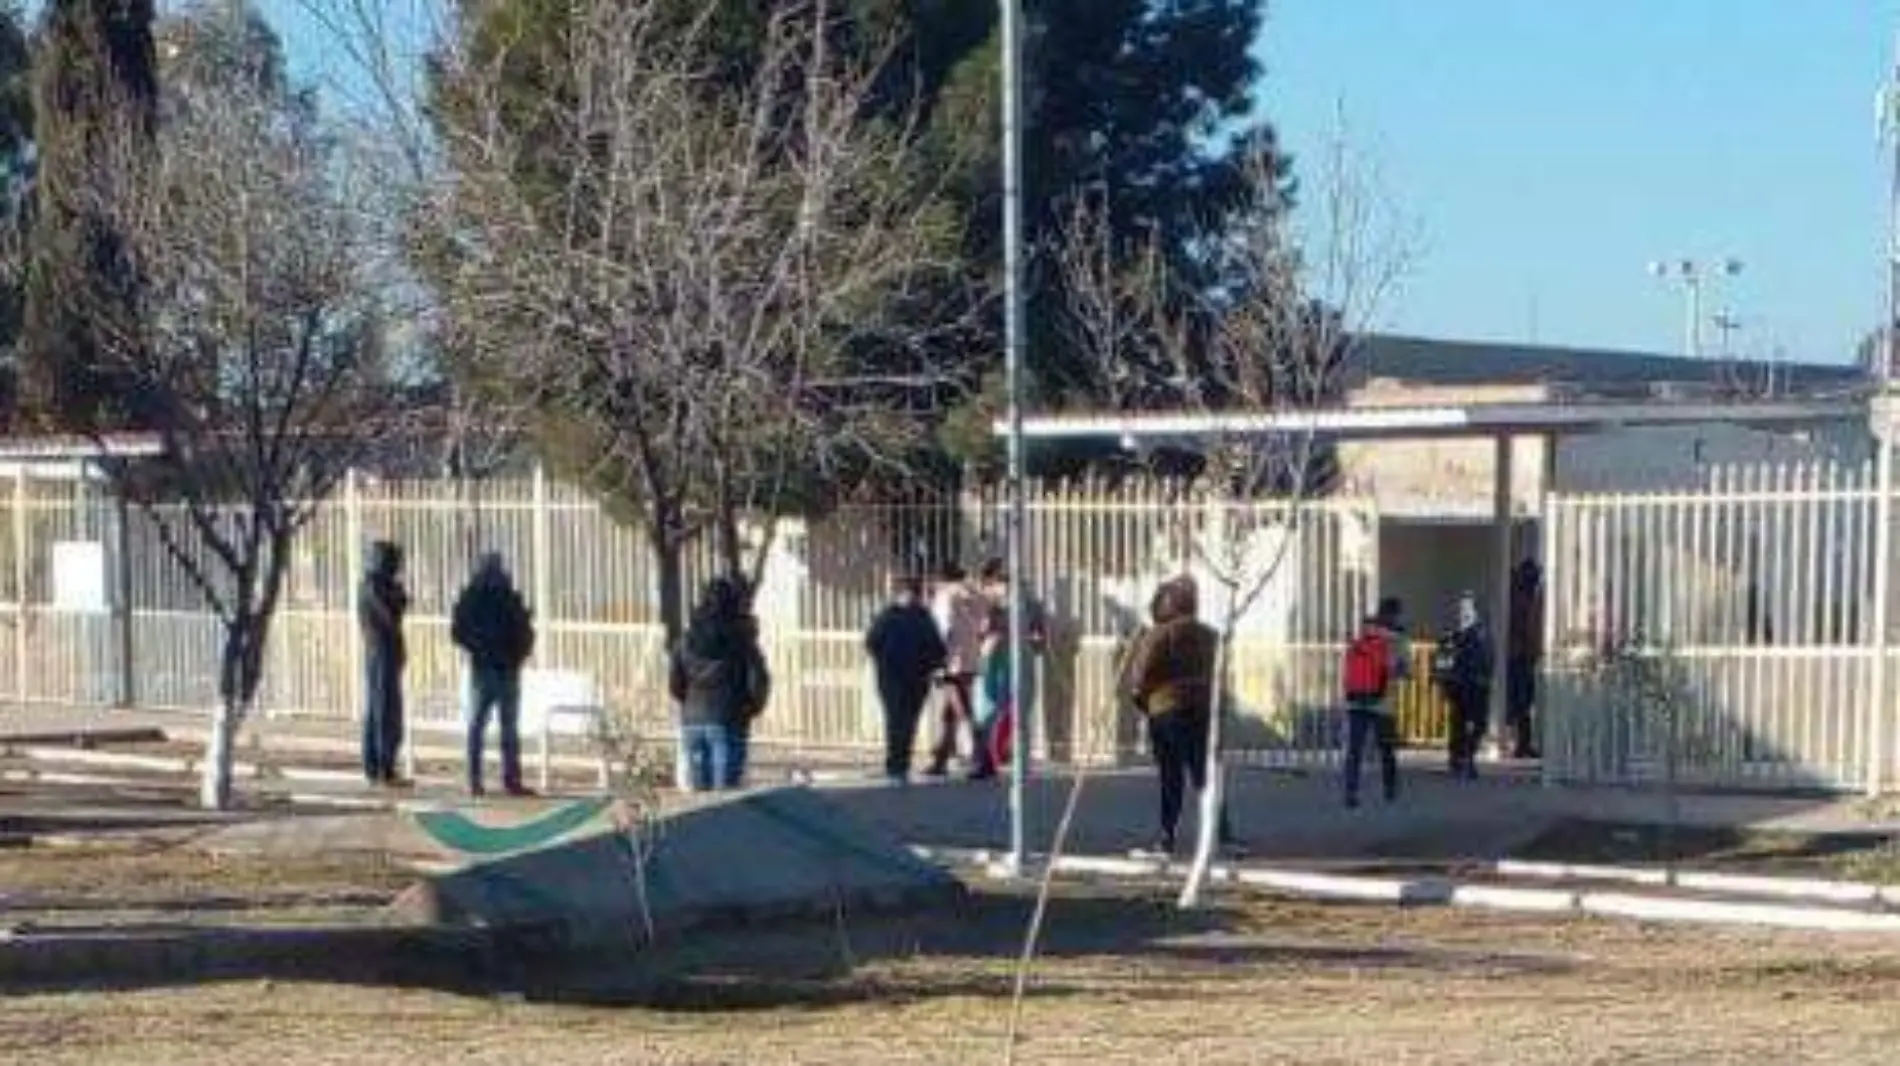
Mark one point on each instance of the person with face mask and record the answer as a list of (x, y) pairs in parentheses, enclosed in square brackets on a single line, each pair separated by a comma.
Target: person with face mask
[(1461, 665)]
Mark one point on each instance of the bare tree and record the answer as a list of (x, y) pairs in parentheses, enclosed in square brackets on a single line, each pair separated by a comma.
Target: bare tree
[(1257, 358), (687, 269), (255, 332)]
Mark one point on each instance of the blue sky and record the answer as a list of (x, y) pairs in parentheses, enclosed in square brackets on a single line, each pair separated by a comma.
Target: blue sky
[(1549, 151)]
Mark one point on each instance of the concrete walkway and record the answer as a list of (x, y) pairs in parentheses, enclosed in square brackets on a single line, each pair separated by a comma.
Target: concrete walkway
[(1289, 816), (1300, 817)]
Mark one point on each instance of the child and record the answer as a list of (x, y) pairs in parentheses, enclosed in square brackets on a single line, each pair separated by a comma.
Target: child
[(996, 708)]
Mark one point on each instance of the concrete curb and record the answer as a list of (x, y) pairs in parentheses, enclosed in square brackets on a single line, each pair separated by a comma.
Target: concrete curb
[(1434, 891), (1798, 888)]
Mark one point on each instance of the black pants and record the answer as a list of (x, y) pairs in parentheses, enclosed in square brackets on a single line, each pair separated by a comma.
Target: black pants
[(1178, 744), (382, 714), (1520, 693), (1365, 726), (1470, 711), (903, 709)]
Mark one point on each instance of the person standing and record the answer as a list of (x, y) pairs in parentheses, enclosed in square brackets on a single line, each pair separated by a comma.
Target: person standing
[(495, 628), (758, 692), (1462, 667), (380, 606), (720, 679), (960, 609), (1379, 656), (907, 651), (1171, 680), (1525, 653)]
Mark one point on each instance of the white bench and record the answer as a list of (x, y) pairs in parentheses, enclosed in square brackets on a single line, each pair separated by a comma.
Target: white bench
[(566, 702)]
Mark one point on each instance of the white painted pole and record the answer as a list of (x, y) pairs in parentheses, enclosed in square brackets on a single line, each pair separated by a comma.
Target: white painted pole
[(1013, 341), (1503, 517)]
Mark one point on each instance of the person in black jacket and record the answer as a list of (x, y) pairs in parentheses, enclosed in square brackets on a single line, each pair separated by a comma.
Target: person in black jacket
[(1462, 666), (720, 678), (380, 607), (495, 628), (907, 650)]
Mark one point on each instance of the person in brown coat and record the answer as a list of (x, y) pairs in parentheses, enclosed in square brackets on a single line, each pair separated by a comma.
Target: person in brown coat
[(1171, 680)]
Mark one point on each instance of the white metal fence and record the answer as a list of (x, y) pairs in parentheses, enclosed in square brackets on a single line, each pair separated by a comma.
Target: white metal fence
[(1095, 553), (1758, 587), (1755, 593)]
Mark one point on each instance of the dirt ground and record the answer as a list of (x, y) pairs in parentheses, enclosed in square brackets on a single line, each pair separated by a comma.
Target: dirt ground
[(1124, 979), (164, 880)]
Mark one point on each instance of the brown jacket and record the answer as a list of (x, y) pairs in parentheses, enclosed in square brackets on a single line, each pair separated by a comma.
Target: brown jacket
[(1172, 668)]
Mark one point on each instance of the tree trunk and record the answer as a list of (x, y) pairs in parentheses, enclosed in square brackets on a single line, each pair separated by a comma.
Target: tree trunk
[(214, 784), (669, 567), (1213, 798)]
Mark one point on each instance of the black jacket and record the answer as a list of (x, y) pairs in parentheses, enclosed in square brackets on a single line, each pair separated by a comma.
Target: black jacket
[(381, 605), (906, 648), (719, 676), (1463, 659), (493, 625)]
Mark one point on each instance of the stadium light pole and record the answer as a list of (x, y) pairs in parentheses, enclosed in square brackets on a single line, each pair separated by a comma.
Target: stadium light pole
[(1692, 275), (1011, 17)]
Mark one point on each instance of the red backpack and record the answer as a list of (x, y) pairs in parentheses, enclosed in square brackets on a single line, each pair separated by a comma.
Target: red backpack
[(1368, 665)]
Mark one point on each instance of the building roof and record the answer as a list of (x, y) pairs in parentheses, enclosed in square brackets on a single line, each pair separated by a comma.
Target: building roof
[(1429, 361), (1438, 420)]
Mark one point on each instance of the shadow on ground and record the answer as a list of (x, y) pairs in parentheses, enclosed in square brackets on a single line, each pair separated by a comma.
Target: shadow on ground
[(965, 950)]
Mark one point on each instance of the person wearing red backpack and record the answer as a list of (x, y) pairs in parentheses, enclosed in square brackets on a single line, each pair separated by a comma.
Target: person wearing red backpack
[(1376, 659)]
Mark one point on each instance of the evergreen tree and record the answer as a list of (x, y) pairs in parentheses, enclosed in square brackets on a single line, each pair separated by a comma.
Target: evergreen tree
[(95, 96), (16, 177)]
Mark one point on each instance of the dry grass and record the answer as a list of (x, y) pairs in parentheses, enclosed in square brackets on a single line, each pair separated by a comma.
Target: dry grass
[(1123, 980), (134, 882)]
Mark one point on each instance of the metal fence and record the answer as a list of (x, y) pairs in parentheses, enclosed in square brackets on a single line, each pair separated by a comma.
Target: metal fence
[(1757, 587), (1752, 597), (102, 611)]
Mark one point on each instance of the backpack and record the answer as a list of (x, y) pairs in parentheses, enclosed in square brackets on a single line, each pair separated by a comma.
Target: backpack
[(1368, 666)]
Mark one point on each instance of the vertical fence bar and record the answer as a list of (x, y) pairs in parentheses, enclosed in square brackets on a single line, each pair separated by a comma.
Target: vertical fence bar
[(352, 584), (22, 572), (1876, 710)]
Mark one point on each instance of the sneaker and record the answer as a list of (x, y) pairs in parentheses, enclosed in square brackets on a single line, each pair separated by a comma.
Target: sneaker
[(519, 791), (936, 769), (985, 774), (1352, 803), (476, 792)]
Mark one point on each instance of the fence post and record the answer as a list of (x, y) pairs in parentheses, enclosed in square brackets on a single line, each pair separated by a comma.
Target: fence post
[(1882, 412), (22, 571), (352, 583), (122, 603), (541, 586)]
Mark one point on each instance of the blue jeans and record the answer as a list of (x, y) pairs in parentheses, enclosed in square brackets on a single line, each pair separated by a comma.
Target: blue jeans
[(497, 691), (709, 757), (1365, 726)]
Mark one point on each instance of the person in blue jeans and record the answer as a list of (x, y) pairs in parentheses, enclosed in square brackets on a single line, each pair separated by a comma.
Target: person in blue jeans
[(719, 677), (495, 628), (1378, 657)]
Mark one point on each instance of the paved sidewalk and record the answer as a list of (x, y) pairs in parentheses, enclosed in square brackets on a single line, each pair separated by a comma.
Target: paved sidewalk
[(1300, 817)]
